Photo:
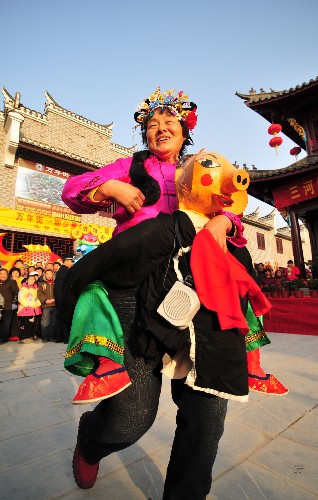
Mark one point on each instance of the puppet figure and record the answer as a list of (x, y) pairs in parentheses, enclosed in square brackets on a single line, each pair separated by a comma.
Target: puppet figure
[(206, 184)]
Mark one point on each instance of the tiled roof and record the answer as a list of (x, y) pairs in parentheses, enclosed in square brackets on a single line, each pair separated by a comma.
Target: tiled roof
[(13, 103), (73, 156), (52, 104), (59, 151), (262, 95), (300, 165)]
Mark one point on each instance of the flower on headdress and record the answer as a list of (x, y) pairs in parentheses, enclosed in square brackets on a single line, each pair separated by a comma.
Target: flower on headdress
[(192, 119), (177, 104)]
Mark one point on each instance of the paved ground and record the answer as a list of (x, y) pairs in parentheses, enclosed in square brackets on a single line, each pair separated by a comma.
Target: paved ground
[(268, 451)]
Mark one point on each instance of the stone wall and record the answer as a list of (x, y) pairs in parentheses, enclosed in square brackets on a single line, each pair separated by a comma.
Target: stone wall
[(59, 131), (7, 175), (270, 254)]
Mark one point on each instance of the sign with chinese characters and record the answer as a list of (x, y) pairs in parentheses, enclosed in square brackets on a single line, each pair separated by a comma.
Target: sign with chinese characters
[(38, 190), (47, 224), (296, 191)]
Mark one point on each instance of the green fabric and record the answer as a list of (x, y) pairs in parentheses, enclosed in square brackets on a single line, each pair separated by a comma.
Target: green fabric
[(95, 331), (256, 336)]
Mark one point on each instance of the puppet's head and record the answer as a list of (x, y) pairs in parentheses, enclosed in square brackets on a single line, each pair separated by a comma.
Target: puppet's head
[(208, 182)]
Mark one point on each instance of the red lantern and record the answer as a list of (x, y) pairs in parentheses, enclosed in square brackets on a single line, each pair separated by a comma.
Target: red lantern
[(295, 151), (275, 142), (274, 129)]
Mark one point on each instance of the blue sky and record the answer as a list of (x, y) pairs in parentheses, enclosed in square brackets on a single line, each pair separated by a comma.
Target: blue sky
[(101, 58)]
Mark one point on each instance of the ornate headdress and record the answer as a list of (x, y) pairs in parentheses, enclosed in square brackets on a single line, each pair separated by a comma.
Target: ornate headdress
[(178, 105)]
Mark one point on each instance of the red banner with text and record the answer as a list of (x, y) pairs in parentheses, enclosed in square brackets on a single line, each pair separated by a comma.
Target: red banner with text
[(296, 191)]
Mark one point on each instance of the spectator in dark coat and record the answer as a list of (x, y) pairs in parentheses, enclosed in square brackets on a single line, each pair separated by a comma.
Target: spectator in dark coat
[(60, 276), (8, 291), (46, 297), (265, 279)]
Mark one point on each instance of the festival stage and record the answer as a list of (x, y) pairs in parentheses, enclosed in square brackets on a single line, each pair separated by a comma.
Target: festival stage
[(292, 315)]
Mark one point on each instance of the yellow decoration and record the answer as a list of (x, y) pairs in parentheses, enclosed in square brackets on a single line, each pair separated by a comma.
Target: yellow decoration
[(76, 232), (46, 224), (104, 234)]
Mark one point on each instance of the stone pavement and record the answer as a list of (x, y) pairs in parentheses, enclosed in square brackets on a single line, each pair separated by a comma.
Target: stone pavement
[(268, 451)]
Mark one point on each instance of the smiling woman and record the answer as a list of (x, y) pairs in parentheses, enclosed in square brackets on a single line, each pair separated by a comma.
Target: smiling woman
[(142, 185)]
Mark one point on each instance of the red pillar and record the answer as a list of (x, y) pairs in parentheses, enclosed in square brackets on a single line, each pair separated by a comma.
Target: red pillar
[(296, 242)]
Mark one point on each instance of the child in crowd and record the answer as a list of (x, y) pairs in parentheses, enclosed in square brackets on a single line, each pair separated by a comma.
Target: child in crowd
[(29, 311)]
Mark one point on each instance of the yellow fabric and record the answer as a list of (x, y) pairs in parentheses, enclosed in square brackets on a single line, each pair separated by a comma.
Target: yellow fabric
[(91, 195)]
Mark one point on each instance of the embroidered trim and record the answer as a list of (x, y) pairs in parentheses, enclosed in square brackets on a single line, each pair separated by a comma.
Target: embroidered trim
[(96, 340), (253, 337), (92, 181)]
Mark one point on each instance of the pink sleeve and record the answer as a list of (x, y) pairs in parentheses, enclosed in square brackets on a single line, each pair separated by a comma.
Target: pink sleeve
[(239, 239), (77, 187)]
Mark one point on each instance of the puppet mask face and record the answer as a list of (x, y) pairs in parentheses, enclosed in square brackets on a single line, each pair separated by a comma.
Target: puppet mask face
[(208, 182)]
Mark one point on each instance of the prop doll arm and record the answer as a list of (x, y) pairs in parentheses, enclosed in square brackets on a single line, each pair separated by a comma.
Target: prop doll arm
[(226, 226)]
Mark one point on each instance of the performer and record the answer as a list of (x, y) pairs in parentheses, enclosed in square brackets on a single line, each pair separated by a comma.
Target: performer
[(94, 313), (120, 421)]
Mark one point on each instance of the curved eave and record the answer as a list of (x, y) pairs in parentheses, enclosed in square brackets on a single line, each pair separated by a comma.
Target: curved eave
[(300, 167), (52, 102), (272, 106), (260, 98)]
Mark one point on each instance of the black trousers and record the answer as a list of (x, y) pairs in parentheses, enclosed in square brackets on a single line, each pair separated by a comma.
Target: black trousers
[(120, 421), (29, 329), (5, 324)]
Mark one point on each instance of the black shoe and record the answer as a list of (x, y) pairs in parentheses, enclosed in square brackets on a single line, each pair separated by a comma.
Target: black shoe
[(3, 341)]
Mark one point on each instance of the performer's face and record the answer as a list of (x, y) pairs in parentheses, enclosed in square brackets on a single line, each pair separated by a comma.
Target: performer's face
[(164, 136)]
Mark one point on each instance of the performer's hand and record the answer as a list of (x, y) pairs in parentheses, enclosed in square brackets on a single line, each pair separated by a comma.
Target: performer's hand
[(219, 226), (125, 194), (201, 155)]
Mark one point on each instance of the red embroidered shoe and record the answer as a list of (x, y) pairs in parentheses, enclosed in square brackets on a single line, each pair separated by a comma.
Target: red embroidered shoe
[(267, 385), (98, 387), (85, 474)]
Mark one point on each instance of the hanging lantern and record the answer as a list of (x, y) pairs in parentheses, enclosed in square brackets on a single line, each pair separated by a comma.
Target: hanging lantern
[(274, 129), (275, 142), (295, 151)]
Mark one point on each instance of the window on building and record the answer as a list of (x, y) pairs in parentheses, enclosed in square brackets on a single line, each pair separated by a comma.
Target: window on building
[(260, 241), (279, 245)]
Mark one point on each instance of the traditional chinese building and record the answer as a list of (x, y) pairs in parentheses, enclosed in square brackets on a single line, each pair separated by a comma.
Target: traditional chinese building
[(270, 244), (38, 152), (293, 190)]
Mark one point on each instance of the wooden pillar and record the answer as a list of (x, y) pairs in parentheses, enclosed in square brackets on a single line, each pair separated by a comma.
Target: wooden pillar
[(296, 242)]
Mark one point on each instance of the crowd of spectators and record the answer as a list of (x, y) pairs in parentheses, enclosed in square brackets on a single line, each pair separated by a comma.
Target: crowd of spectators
[(30, 301), (31, 297), (266, 275)]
